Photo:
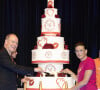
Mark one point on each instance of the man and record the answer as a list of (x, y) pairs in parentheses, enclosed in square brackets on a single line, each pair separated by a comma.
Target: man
[(86, 78), (97, 64), (9, 68)]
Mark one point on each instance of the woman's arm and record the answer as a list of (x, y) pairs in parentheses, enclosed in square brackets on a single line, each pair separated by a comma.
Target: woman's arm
[(85, 80), (68, 71)]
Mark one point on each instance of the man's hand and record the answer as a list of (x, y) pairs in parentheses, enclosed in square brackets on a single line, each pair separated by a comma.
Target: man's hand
[(25, 79), (38, 69)]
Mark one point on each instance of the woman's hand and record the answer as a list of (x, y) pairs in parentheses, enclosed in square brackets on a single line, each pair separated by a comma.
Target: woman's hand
[(67, 71)]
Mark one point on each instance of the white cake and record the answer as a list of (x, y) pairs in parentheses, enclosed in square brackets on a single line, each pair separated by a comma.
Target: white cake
[(50, 83), (50, 54), (56, 41)]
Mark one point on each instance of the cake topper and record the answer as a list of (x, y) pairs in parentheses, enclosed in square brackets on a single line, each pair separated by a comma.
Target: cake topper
[(50, 4)]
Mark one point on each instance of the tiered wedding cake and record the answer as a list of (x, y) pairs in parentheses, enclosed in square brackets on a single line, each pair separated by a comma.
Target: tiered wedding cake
[(50, 54)]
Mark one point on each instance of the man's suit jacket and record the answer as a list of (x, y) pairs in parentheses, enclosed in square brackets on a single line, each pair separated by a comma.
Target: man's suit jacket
[(8, 71)]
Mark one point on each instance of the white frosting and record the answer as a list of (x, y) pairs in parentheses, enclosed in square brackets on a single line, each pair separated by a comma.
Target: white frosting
[(51, 67), (50, 12), (51, 83), (51, 26), (57, 42), (50, 55)]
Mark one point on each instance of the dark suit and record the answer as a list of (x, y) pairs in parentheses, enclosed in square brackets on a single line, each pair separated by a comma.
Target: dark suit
[(8, 71)]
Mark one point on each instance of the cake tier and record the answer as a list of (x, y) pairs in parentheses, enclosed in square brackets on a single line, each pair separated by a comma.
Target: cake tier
[(51, 67), (50, 83), (57, 42), (50, 55), (51, 26), (50, 12), (50, 22)]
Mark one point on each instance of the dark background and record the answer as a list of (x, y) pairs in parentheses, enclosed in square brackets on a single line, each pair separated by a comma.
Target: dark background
[(79, 23)]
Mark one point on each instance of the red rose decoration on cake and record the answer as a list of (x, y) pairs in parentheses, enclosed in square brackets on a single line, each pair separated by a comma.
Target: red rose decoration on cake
[(56, 16), (50, 4), (48, 46), (43, 16)]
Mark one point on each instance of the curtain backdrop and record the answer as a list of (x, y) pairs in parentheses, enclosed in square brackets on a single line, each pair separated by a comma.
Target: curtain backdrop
[(79, 22)]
